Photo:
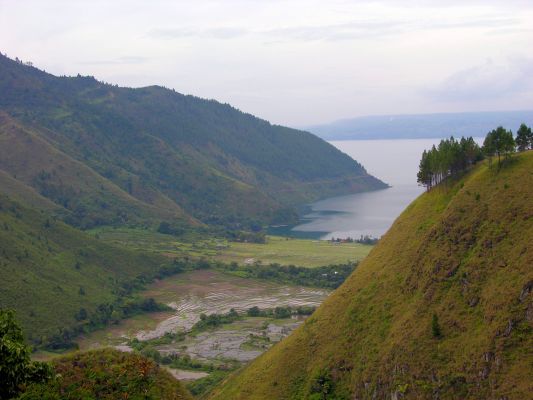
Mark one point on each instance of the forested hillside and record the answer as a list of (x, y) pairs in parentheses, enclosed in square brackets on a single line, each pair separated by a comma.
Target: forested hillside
[(110, 155), (441, 308), (61, 281)]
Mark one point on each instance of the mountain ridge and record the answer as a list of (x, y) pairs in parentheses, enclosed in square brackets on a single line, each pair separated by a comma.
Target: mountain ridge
[(421, 126), (219, 165)]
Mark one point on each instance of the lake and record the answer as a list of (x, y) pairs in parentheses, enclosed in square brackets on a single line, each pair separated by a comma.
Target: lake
[(370, 213)]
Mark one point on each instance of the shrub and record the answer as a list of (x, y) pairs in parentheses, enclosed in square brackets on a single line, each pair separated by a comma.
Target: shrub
[(16, 368)]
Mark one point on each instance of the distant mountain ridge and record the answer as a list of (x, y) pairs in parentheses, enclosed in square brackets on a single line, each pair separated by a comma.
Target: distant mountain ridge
[(417, 126), (110, 155)]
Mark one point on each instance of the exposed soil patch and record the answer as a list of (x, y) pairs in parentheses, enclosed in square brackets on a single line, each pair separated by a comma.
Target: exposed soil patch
[(184, 375)]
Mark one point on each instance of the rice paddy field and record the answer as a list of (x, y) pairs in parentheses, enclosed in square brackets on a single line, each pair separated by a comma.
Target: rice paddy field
[(193, 293), (277, 249), (218, 350)]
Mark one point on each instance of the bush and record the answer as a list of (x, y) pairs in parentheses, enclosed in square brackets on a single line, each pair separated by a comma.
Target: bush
[(16, 368)]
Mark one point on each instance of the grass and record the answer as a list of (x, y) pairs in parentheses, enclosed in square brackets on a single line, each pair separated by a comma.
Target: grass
[(35, 172), (280, 250), (461, 252), (301, 252), (108, 374), (50, 271)]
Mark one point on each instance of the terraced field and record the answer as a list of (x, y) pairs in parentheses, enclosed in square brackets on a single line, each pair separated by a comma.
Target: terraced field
[(211, 292)]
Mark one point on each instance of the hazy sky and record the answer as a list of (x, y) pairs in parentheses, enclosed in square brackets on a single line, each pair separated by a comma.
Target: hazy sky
[(292, 62)]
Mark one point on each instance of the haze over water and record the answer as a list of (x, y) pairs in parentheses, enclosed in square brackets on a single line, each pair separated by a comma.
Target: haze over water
[(372, 213)]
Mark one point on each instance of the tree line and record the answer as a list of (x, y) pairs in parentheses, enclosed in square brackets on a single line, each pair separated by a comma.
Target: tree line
[(452, 156)]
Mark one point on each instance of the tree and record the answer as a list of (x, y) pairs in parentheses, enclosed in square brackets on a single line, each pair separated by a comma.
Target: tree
[(16, 368), (508, 145), (424, 171), (81, 315), (254, 311), (500, 142), (489, 147), (449, 158), (524, 138)]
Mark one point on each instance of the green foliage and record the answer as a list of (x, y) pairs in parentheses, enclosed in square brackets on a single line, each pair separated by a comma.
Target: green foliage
[(214, 320), (167, 228), (202, 386), (448, 159), (167, 338), (108, 374), (524, 138), (499, 142), (321, 386), (38, 255), (16, 369), (330, 276), (109, 155), (280, 312), (246, 237)]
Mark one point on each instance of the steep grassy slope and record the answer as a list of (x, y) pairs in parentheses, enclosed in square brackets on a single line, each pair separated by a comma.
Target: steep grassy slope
[(38, 170), (462, 253), (162, 148), (49, 271), (22, 193), (108, 374)]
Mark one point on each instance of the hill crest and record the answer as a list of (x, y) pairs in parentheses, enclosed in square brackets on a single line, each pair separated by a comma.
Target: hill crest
[(181, 153), (441, 308)]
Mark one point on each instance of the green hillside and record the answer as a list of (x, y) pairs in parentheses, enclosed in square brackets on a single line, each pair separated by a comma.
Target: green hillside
[(38, 170), (110, 155), (441, 308), (108, 374), (50, 272)]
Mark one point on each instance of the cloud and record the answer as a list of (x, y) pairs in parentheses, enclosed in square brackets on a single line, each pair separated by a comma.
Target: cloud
[(487, 81), (125, 60), (212, 33), (454, 3), (379, 28), (333, 32)]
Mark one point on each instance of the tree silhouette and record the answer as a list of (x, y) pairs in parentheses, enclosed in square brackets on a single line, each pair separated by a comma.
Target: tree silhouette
[(524, 138), (499, 142), (449, 158)]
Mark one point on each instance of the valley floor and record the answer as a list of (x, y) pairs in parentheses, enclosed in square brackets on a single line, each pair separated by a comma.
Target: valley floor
[(204, 357), (277, 249)]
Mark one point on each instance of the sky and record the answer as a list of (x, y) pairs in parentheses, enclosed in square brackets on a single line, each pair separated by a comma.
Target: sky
[(292, 62)]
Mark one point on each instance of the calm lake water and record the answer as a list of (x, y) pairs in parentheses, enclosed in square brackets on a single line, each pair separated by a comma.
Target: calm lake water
[(394, 162)]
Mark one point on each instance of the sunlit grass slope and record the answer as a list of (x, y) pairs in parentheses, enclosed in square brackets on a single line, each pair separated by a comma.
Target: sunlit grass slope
[(462, 253)]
